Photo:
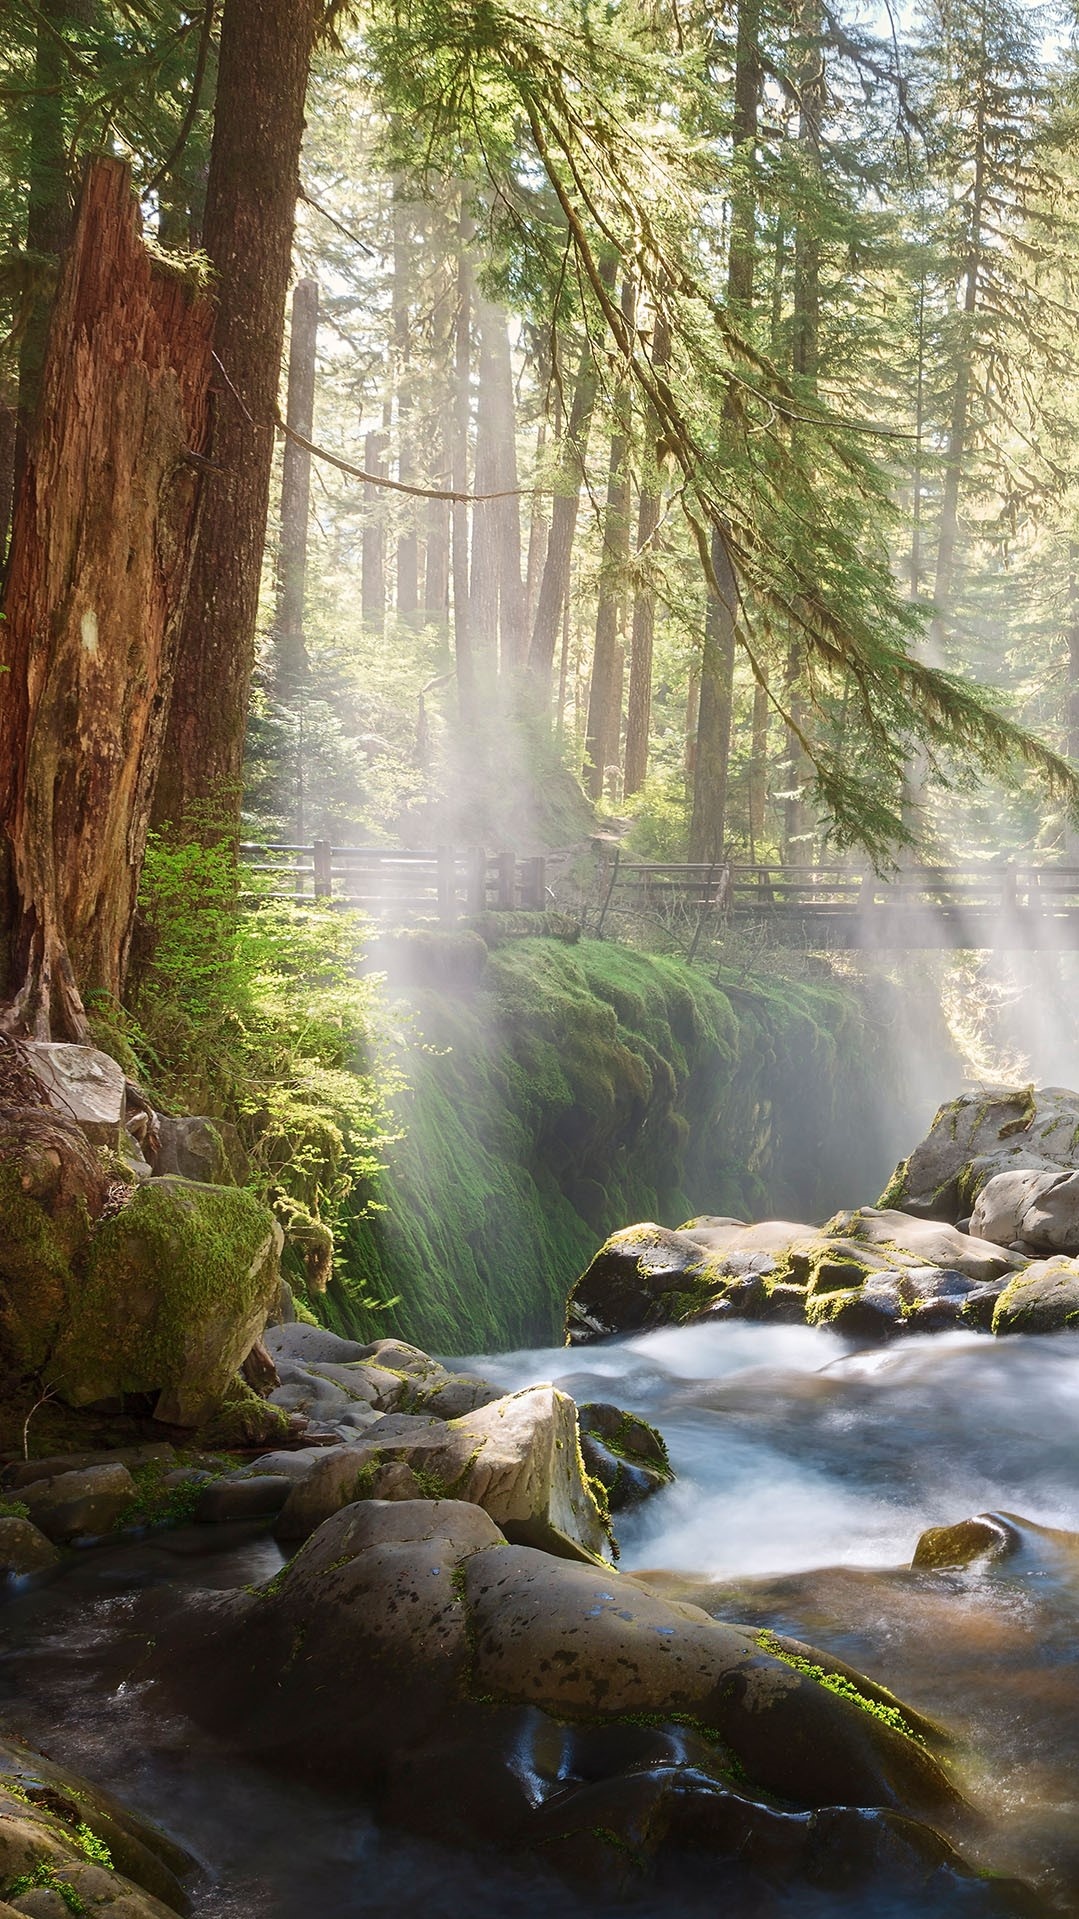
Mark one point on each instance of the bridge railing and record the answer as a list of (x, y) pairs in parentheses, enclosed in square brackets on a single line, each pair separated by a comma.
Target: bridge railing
[(823, 905), (390, 883)]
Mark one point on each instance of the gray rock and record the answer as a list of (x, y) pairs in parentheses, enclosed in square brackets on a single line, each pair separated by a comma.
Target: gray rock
[(237, 1497), (207, 1150), (312, 1344), (626, 1454), (518, 1458), (1043, 1299), (24, 1549), (292, 1466), (84, 1084), (22, 1472), (75, 1505)]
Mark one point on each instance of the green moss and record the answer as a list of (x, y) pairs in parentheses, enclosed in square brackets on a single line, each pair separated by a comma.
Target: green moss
[(883, 1708), (35, 1270), (14, 1509), (46, 1875), (570, 1089), (178, 1259)]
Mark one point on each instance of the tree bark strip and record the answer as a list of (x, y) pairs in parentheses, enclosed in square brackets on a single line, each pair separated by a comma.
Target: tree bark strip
[(99, 560), (289, 644), (251, 196)]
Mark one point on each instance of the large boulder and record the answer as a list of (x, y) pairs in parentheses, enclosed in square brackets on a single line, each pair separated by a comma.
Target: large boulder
[(1043, 1299), (1035, 1207), (980, 1135), (869, 1273), (175, 1290), (207, 1150), (79, 1504), (341, 1387), (488, 1693), (53, 1188), (519, 1458), (86, 1085)]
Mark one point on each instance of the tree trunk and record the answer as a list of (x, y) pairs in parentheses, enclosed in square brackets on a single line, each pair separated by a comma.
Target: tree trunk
[(48, 218), (289, 646), (601, 747), (99, 559), (251, 194), (758, 769), (554, 584), (710, 769), (498, 592), (708, 819), (462, 417), (373, 538), (639, 713), (408, 545)]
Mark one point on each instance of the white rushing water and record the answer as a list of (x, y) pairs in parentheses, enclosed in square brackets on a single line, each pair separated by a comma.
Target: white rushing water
[(792, 1450)]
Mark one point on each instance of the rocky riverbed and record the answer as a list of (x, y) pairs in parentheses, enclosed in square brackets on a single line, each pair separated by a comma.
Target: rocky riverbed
[(746, 1599)]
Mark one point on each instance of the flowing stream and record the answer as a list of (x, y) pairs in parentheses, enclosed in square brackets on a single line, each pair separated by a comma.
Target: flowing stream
[(806, 1472)]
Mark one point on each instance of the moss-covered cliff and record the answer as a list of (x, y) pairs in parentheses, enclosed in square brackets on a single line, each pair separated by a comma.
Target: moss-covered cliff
[(557, 1091)]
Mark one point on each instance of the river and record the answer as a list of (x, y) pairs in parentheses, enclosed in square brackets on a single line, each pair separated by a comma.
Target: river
[(806, 1471)]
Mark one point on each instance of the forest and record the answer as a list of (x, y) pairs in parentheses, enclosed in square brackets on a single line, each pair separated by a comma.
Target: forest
[(539, 892)]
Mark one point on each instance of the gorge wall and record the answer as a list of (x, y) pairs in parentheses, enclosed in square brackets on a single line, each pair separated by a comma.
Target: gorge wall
[(558, 1088)]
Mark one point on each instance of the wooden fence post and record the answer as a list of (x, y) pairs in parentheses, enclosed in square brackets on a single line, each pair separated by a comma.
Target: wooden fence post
[(323, 872), (476, 879), (445, 864), (534, 883)]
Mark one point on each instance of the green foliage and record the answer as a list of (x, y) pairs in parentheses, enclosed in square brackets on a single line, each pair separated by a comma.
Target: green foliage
[(43, 1874), (254, 1009), (14, 1509)]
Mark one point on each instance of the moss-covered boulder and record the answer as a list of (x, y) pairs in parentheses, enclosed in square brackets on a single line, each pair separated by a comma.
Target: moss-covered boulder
[(174, 1291), (53, 1187), (978, 1136), (627, 1455), (1043, 1299)]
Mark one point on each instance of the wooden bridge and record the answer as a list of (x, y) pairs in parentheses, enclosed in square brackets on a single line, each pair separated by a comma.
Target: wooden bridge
[(819, 908)]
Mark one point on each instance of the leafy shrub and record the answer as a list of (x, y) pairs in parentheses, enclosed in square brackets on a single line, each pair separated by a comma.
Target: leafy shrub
[(253, 1008)]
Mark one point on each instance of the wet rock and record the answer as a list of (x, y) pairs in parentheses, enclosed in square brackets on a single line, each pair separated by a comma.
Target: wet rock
[(78, 1505), (626, 1454), (86, 1085), (990, 1536), (46, 1817), (1043, 1299), (492, 1693), (518, 1458), (629, 1283), (175, 1291), (24, 1549), (869, 1312)]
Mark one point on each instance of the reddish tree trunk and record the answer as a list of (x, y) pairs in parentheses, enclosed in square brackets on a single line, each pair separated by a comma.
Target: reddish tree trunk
[(250, 211), (103, 529)]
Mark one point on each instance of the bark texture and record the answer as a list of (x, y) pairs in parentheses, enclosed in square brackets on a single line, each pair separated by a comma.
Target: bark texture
[(289, 643), (250, 209), (99, 559)]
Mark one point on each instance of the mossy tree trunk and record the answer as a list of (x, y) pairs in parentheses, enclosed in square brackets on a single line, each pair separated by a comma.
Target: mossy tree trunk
[(99, 560)]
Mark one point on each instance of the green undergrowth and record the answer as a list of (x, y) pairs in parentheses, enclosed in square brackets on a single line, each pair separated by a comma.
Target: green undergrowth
[(570, 1089), (256, 1010)]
